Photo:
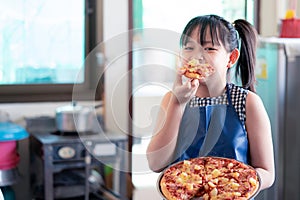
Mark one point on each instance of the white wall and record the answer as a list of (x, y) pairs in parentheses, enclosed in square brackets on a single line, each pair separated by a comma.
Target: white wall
[(269, 17), (115, 39)]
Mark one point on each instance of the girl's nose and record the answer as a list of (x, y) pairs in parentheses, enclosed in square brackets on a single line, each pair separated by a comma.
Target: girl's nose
[(200, 58), (200, 54)]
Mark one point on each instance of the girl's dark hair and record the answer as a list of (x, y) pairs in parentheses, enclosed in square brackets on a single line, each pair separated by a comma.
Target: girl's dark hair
[(240, 34)]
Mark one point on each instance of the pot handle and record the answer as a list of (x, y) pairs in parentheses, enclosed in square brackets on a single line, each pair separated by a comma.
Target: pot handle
[(99, 105), (74, 103)]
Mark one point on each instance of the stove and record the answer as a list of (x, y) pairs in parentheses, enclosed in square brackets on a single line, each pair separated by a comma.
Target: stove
[(63, 161)]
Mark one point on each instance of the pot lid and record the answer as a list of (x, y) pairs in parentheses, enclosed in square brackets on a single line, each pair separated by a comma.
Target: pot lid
[(10, 131), (72, 108)]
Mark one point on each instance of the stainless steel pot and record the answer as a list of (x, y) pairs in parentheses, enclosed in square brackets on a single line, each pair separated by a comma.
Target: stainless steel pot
[(74, 118)]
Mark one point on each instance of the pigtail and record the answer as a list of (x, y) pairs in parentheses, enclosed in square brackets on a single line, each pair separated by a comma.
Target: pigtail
[(246, 63)]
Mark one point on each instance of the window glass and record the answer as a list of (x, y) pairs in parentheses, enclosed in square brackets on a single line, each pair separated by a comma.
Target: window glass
[(174, 14), (155, 65), (41, 42)]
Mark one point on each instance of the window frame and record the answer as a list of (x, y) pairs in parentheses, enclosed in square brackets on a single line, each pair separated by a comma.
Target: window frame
[(64, 92)]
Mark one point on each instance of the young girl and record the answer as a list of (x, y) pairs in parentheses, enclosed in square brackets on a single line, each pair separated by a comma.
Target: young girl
[(211, 116)]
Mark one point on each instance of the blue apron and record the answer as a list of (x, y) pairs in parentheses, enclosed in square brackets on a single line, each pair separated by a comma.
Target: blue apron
[(214, 130)]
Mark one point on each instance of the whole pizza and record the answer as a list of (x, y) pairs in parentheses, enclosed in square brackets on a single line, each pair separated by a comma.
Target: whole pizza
[(209, 178)]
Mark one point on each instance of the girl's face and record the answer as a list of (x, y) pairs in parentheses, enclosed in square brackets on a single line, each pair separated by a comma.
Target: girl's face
[(213, 54)]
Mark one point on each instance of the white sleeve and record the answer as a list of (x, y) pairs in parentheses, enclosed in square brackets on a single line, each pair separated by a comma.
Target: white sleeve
[(1, 196)]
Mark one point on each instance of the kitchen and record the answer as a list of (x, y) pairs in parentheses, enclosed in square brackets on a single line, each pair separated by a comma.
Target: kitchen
[(113, 24)]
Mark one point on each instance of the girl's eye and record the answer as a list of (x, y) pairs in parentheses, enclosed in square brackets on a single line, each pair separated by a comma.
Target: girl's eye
[(209, 49), (188, 48)]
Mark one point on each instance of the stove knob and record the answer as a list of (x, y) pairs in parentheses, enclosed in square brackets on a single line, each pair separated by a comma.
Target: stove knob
[(66, 152)]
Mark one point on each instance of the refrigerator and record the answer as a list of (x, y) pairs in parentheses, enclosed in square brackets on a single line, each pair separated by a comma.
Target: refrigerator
[(278, 85)]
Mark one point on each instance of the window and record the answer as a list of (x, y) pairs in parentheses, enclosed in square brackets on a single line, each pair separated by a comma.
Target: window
[(43, 47), (174, 14), (169, 18)]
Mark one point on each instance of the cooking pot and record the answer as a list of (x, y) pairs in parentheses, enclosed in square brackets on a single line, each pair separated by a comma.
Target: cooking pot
[(74, 118)]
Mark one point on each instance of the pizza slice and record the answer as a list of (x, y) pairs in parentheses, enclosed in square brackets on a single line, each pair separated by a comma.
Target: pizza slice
[(183, 180), (229, 179), (196, 70)]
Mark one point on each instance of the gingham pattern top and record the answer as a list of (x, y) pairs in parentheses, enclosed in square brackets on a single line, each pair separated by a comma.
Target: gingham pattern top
[(238, 99)]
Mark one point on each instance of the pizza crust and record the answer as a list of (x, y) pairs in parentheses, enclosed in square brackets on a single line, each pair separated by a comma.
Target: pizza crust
[(192, 75), (166, 193)]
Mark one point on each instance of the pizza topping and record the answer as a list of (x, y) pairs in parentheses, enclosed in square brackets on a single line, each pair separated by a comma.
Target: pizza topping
[(214, 192), (211, 184), (215, 173), (252, 181), (235, 174), (230, 165), (209, 178), (234, 185)]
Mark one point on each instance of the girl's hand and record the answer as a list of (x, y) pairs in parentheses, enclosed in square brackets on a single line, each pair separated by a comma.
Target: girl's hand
[(184, 91)]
